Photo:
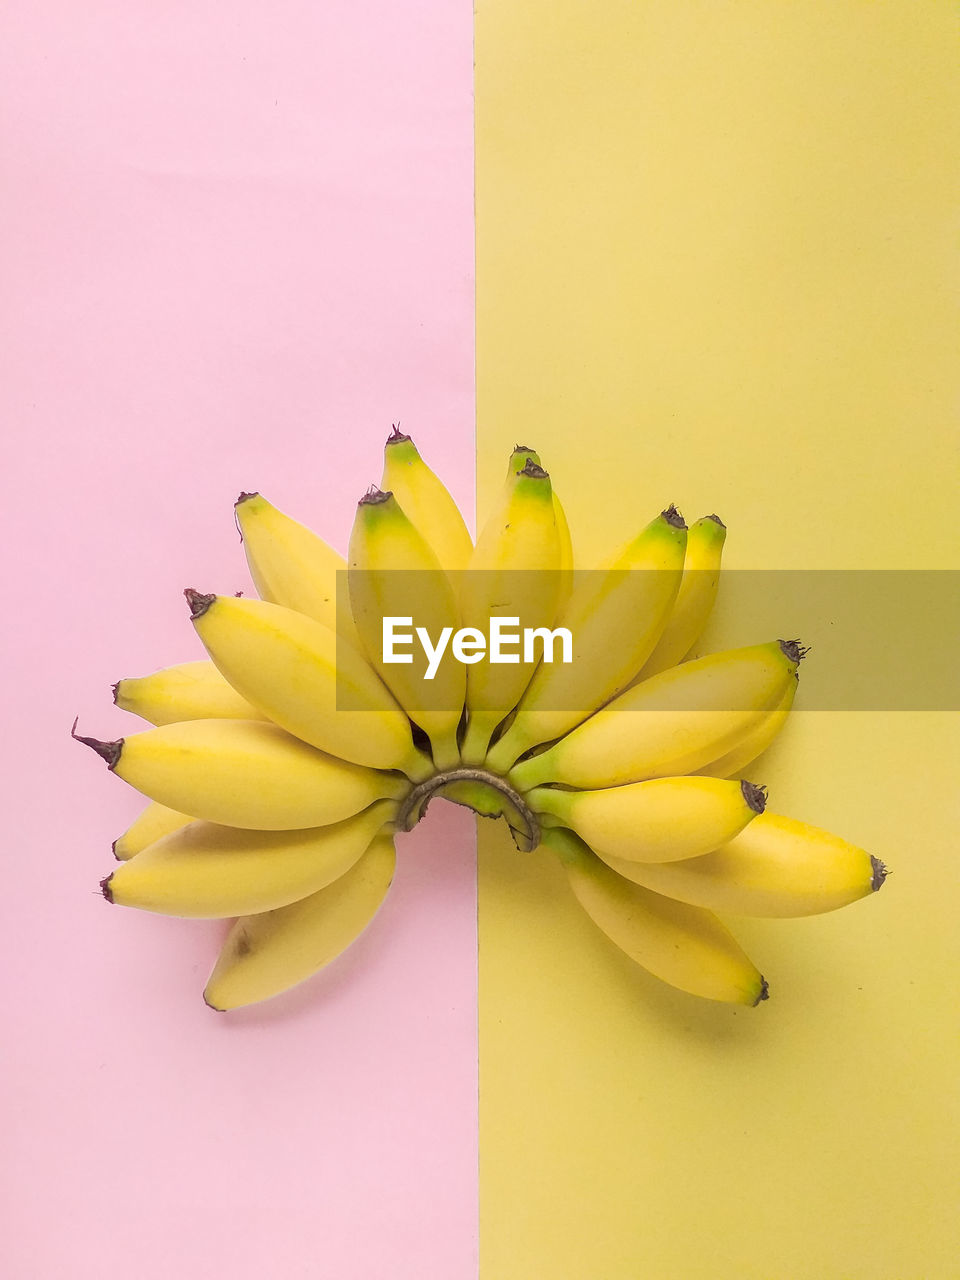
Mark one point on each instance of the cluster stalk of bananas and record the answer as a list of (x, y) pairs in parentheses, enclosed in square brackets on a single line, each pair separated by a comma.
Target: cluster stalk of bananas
[(279, 771)]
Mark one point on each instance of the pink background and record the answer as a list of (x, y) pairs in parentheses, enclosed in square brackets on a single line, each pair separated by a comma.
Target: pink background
[(239, 242)]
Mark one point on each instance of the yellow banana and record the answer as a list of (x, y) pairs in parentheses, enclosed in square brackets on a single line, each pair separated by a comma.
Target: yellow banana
[(214, 871), (514, 573), (671, 724), (394, 574), (685, 946), (152, 824), (426, 502), (187, 691), (695, 599), (753, 744), (662, 820), (299, 673), (615, 616), (566, 544), (518, 460), (292, 566), (776, 866), (245, 773), (272, 951)]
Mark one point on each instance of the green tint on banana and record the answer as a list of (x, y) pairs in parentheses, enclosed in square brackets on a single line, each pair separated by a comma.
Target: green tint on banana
[(426, 502), (514, 573), (695, 599), (394, 573), (615, 617), (662, 820), (299, 673), (270, 952), (291, 565), (683, 945), (211, 871), (776, 866), (518, 460), (671, 724), (187, 691)]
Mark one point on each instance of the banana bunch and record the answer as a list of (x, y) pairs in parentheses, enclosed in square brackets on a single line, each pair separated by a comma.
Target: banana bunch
[(279, 770)]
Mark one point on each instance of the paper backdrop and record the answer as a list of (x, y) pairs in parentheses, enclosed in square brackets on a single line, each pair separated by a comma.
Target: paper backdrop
[(711, 251), (238, 244)]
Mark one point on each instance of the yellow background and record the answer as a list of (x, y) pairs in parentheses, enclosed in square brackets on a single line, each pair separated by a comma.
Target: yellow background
[(716, 266)]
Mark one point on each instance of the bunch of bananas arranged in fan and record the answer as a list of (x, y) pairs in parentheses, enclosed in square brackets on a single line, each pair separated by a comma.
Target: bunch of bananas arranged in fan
[(280, 770)]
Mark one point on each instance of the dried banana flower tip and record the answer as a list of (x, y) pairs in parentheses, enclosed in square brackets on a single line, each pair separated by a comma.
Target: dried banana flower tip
[(245, 497), (673, 517), (109, 751), (396, 436), (198, 602), (794, 650), (756, 797), (880, 873), (374, 496)]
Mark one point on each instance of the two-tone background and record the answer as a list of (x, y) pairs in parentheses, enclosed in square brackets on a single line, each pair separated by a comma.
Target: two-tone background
[(692, 252)]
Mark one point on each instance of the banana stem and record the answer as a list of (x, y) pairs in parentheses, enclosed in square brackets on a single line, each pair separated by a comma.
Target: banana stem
[(413, 807)]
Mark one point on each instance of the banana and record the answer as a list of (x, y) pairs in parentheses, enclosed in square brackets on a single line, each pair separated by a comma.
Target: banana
[(685, 946), (776, 866), (272, 951), (695, 599), (188, 691), (755, 742), (518, 460), (244, 773), (426, 502), (292, 566), (671, 724), (658, 821), (566, 547), (514, 573), (615, 617), (299, 673), (393, 573), (152, 824), (206, 870)]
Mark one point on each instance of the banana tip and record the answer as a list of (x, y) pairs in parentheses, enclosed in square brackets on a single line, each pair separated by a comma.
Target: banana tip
[(716, 519), (880, 873), (374, 496), (210, 1005), (673, 517), (105, 887), (109, 751), (245, 497), (396, 436), (756, 797), (764, 991), (794, 650), (198, 602)]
